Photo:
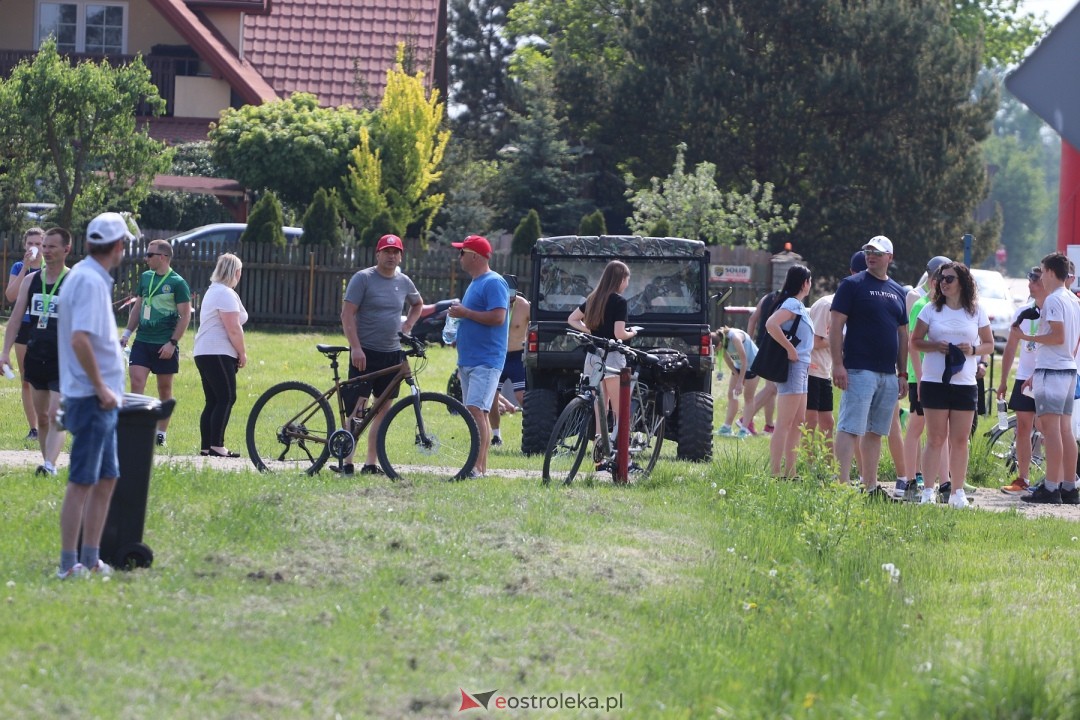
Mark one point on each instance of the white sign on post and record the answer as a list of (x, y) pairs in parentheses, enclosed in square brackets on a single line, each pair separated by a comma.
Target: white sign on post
[(730, 273)]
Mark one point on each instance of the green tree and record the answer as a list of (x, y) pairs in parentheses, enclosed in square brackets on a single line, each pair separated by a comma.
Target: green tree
[(539, 168), (74, 126), (526, 234), (265, 222), (292, 147), (696, 208), (322, 221), (660, 228), (1005, 32), (165, 210), (471, 188), (593, 224), (397, 162)]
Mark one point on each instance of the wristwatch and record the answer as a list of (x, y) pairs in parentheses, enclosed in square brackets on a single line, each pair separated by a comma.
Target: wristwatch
[(175, 344)]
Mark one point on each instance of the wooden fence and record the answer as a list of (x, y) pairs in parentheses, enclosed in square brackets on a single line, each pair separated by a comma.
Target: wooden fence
[(297, 286)]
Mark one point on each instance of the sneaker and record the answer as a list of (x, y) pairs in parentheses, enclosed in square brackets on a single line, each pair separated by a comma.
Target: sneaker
[(344, 469), (958, 500), (927, 496), (1019, 486), (879, 494), (725, 431), (911, 495), (41, 471), (475, 475), (1070, 497), (32, 435), (160, 439), (944, 491), (743, 433), (749, 428), (368, 470), (900, 489), (78, 570), (102, 569), (496, 441), (768, 429), (1042, 496)]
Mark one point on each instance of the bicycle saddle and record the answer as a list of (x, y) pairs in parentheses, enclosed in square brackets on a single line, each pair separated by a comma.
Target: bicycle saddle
[(331, 350)]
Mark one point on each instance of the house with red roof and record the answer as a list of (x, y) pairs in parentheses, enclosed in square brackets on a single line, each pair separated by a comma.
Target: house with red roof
[(208, 55)]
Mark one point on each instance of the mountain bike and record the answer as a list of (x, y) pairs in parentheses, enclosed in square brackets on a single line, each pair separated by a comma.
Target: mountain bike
[(1001, 444), (292, 425), (649, 408)]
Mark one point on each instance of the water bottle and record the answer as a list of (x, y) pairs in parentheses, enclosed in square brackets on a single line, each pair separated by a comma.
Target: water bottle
[(449, 330), (8, 372), (1003, 416)]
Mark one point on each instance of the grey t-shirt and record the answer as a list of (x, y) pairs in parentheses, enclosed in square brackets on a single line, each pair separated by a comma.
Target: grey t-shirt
[(380, 301)]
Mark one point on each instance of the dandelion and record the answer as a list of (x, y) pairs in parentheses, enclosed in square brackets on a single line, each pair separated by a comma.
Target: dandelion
[(721, 492), (925, 667), (731, 550), (1074, 538), (772, 573), (714, 484), (894, 572), (11, 583)]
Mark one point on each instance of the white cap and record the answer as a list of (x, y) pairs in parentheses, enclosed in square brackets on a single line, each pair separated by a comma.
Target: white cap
[(879, 243), (108, 228)]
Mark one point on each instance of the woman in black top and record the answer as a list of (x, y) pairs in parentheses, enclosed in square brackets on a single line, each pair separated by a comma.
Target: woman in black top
[(604, 314)]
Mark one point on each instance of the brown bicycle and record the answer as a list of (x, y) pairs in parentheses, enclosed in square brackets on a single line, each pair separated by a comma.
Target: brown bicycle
[(292, 425)]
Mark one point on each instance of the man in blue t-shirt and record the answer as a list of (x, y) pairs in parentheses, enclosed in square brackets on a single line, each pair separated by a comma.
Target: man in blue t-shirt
[(482, 336), (868, 341)]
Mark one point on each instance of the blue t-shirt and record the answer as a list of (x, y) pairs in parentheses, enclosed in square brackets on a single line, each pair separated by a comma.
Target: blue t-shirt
[(484, 345), (875, 309), (805, 333), (15, 270)]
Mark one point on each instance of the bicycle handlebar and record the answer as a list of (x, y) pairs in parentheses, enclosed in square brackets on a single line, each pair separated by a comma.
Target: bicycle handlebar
[(416, 346), (600, 343)]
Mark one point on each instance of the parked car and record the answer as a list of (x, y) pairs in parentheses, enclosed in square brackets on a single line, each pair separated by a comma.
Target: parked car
[(996, 299), (37, 212), (212, 240)]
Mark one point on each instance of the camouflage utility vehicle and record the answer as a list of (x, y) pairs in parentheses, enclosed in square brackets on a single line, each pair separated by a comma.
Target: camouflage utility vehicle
[(667, 296)]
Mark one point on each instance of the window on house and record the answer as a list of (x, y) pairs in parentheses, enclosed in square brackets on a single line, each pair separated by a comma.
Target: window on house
[(81, 27)]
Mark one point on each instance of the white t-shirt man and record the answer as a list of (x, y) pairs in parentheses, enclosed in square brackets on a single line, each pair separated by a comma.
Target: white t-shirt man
[(1060, 306)]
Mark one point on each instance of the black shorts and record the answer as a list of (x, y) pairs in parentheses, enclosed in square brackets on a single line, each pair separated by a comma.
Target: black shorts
[(748, 376), (913, 398), (939, 396), (43, 373), (819, 394), (375, 361), (23, 335), (1018, 401), (145, 355)]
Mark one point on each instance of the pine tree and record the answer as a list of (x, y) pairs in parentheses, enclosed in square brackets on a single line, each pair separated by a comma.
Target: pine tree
[(593, 225), (322, 222), (265, 222), (526, 234)]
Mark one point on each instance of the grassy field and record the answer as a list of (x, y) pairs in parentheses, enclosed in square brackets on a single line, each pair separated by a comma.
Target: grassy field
[(707, 591)]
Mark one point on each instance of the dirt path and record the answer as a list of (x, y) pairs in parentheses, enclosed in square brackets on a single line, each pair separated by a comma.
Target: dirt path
[(984, 499)]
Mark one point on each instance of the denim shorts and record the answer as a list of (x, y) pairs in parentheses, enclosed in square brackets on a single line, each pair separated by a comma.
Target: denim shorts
[(797, 379), (93, 444), (595, 369), (869, 403), (478, 386), (1054, 391)]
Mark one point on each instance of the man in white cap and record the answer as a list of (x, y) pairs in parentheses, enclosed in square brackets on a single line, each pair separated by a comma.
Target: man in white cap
[(92, 387), (370, 319), (868, 340)]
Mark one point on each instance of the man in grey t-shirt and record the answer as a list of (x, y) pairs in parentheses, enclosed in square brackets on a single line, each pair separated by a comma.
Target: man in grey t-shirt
[(371, 318)]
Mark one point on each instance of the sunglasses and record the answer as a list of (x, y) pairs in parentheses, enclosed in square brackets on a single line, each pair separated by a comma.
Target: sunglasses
[(947, 279), (1034, 276), (873, 253), (149, 254), (468, 252)]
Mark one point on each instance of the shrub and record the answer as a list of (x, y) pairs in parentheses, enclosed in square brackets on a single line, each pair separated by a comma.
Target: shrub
[(265, 222), (593, 224), (526, 234), (322, 222)]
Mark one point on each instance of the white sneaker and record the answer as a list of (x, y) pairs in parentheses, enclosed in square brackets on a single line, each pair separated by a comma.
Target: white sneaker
[(78, 570), (927, 496), (102, 569), (958, 500)]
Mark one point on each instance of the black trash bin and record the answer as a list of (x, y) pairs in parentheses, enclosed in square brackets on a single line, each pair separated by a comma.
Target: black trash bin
[(136, 428)]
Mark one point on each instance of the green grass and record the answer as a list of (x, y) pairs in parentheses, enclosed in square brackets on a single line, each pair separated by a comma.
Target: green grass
[(706, 591)]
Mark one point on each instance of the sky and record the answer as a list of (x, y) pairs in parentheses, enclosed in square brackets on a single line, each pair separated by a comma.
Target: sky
[(1054, 9)]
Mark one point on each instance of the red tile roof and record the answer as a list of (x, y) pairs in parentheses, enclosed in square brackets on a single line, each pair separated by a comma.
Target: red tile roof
[(313, 45), (175, 131), (260, 7)]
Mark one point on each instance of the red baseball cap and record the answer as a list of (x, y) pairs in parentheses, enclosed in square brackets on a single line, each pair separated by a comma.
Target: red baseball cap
[(477, 244), (390, 241)]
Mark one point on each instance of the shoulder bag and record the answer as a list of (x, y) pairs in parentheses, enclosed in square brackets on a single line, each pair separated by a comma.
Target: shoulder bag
[(772, 361)]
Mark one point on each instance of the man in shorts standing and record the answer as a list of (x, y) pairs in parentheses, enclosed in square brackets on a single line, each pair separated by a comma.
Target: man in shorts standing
[(92, 386), (513, 367), (39, 296), (161, 312), (371, 319), (868, 339), (482, 337)]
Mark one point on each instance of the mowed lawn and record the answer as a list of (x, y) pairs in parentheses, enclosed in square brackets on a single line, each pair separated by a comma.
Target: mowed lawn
[(707, 591)]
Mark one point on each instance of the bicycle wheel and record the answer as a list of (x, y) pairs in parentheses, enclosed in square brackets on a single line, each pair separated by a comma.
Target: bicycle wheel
[(428, 434), (569, 438), (288, 429), (646, 439), (1002, 445)]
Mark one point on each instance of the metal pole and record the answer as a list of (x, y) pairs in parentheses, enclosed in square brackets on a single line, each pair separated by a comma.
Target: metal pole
[(622, 440)]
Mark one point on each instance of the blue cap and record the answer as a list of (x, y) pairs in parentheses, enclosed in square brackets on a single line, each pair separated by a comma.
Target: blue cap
[(858, 262)]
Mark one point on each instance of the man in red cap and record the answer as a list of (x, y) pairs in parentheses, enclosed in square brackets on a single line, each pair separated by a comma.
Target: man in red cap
[(482, 336), (370, 319)]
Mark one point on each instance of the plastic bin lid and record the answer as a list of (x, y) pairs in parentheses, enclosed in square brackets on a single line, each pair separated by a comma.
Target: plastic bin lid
[(135, 401)]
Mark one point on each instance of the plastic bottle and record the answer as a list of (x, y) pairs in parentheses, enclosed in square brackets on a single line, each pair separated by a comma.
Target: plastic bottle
[(449, 331), (8, 372), (1003, 415)]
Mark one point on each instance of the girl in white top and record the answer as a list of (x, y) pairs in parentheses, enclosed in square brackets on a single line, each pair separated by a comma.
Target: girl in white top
[(219, 353), (953, 331)]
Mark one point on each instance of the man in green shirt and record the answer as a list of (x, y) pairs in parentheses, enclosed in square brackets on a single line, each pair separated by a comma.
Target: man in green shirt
[(161, 312)]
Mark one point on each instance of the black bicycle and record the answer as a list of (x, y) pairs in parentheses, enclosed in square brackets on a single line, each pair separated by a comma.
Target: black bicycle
[(291, 426)]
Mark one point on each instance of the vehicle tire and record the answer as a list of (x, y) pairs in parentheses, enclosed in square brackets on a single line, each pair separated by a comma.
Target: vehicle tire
[(695, 426), (438, 437), (289, 428), (566, 445), (539, 411), (133, 555), (644, 454)]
